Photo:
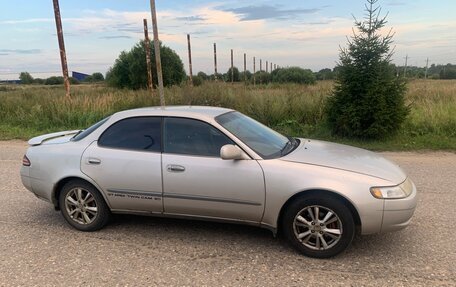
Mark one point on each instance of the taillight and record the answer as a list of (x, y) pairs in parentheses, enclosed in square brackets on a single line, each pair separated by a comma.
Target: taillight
[(26, 161)]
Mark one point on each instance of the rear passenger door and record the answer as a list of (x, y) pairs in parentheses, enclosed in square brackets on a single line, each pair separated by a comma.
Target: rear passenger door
[(126, 163)]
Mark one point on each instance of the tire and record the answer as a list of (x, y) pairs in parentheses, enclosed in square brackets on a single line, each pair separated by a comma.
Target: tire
[(318, 237), (83, 207)]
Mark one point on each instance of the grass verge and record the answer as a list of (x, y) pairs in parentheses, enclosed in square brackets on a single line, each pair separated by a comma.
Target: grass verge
[(297, 110)]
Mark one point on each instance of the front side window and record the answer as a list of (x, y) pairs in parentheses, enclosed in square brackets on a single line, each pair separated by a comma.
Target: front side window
[(192, 137), (263, 140), (139, 133)]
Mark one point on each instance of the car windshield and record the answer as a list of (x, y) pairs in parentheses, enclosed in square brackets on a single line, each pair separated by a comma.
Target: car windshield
[(83, 133), (264, 141)]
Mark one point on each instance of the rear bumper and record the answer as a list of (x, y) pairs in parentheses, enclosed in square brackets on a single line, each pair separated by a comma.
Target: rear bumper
[(28, 182), (25, 177), (398, 213)]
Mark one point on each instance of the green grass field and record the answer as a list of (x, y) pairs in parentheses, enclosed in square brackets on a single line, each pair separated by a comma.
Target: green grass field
[(297, 110)]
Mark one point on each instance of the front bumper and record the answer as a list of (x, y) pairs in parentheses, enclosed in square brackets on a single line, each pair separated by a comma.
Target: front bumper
[(397, 213)]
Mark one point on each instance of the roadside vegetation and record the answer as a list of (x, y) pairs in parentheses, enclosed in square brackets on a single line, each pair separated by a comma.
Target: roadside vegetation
[(130, 68), (363, 101), (368, 98), (27, 79), (293, 109)]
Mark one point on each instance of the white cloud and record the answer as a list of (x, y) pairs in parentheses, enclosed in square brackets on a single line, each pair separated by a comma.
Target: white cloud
[(313, 43)]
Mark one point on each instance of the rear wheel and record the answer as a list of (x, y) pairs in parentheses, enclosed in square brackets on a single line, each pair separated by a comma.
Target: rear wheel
[(83, 207), (318, 226)]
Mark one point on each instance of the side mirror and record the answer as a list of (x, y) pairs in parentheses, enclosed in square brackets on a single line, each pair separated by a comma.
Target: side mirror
[(232, 152)]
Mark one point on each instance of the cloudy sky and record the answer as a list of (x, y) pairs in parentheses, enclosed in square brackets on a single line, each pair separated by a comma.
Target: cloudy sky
[(304, 33)]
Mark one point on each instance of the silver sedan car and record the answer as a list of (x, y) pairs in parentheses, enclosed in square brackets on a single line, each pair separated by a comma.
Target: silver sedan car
[(217, 164)]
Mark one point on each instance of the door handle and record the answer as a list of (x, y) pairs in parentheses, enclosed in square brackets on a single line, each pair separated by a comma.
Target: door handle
[(175, 168), (94, 161)]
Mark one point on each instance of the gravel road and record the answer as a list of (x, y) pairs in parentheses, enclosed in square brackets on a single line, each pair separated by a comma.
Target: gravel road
[(38, 248)]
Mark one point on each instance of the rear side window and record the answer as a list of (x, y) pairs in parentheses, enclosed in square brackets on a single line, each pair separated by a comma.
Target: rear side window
[(82, 134), (192, 137), (139, 133)]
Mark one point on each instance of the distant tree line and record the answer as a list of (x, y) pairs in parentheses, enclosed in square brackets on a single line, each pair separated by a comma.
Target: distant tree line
[(444, 72), (130, 71), (303, 76), (280, 75), (27, 79)]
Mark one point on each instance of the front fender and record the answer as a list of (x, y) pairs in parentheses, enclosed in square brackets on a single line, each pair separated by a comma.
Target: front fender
[(286, 179)]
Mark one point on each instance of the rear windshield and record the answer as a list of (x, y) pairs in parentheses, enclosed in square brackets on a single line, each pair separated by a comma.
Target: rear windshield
[(83, 133)]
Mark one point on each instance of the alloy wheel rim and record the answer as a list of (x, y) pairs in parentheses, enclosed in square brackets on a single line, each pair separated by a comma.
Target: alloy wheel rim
[(317, 227), (81, 206)]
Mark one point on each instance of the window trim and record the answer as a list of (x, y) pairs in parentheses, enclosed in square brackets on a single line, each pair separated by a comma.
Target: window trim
[(133, 150), (162, 138)]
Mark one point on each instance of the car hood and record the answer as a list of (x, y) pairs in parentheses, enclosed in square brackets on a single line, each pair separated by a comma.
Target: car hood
[(346, 157), (59, 137)]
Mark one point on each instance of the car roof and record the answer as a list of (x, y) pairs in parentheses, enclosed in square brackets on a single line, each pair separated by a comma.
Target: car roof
[(198, 112)]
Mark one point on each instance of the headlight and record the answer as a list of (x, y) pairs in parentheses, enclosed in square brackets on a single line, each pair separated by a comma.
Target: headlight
[(393, 192)]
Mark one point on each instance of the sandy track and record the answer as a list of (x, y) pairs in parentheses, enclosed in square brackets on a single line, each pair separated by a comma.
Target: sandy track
[(38, 248)]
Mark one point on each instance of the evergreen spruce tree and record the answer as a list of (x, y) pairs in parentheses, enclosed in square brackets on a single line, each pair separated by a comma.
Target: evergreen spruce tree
[(368, 99)]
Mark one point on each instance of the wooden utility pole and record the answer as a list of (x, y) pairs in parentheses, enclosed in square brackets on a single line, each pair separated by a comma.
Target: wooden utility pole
[(405, 67), (161, 91), (148, 63), (215, 62), (190, 60), (232, 68), (427, 66), (254, 71), (245, 69), (266, 66), (63, 59)]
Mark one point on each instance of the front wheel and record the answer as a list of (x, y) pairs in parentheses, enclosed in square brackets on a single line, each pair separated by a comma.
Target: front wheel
[(318, 226), (83, 207)]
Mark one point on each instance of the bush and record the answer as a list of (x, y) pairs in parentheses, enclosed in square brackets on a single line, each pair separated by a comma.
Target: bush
[(203, 76), (368, 99), (74, 81), (261, 77), (39, 81), (197, 81), (129, 70), (219, 77), (247, 75), (26, 78), (97, 77), (325, 74), (94, 78), (293, 75), (235, 75), (54, 81)]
